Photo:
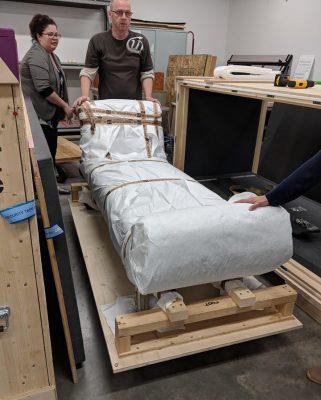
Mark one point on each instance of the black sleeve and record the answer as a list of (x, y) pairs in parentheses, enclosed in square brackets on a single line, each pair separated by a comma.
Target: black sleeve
[(92, 55), (46, 92), (296, 184), (146, 58)]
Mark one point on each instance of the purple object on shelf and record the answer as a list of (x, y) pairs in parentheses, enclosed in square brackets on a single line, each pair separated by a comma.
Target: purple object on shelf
[(8, 50)]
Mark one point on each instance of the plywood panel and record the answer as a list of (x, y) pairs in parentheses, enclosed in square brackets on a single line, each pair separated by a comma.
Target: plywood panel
[(187, 65), (23, 361)]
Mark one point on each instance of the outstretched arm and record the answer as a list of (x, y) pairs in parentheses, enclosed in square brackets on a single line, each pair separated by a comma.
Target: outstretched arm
[(295, 185)]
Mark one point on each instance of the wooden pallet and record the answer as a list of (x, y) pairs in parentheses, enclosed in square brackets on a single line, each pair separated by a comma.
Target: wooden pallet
[(307, 284), (212, 322)]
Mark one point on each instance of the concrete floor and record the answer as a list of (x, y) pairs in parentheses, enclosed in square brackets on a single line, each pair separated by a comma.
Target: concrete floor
[(272, 368)]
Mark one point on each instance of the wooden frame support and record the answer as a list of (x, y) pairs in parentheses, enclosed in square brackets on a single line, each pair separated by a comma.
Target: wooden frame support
[(177, 311), (75, 189), (243, 297), (275, 302)]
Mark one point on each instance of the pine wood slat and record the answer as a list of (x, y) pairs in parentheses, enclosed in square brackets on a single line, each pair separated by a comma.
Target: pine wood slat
[(310, 278)]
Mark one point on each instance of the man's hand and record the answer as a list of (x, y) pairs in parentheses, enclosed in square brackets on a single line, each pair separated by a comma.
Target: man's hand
[(257, 201), (153, 100), (78, 102)]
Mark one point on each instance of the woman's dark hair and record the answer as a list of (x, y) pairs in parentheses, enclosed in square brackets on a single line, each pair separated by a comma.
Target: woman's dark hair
[(38, 24)]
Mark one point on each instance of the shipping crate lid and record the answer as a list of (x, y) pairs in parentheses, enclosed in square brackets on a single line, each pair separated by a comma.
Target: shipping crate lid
[(6, 76)]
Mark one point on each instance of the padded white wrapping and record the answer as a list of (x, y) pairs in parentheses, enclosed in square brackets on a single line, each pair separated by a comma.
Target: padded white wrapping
[(170, 230)]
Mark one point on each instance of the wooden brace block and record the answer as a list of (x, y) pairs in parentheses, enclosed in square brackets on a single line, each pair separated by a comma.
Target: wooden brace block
[(243, 297), (177, 311), (75, 189), (286, 309), (123, 344)]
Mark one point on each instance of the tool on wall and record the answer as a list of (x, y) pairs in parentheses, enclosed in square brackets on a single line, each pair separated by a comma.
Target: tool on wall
[(286, 81), (4, 316)]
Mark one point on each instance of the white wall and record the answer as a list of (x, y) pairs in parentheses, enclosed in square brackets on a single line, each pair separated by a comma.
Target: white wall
[(208, 19), (76, 25), (275, 27), (221, 27)]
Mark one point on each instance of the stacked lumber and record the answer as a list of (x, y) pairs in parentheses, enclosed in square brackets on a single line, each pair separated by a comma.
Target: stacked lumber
[(307, 284), (156, 24)]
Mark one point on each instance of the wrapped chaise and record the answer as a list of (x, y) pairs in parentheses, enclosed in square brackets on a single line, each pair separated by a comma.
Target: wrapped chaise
[(170, 230)]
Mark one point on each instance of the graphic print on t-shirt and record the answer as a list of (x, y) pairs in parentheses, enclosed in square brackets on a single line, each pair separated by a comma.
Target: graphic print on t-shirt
[(135, 44)]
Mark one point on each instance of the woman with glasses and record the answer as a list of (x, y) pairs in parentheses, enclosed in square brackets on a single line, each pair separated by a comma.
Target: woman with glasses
[(122, 59), (43, 80)]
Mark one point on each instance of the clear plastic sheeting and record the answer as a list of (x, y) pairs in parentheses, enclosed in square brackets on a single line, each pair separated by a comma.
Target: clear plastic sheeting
[(170, 230)]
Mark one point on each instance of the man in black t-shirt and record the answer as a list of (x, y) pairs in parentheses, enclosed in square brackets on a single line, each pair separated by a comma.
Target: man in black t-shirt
[(121, 57)]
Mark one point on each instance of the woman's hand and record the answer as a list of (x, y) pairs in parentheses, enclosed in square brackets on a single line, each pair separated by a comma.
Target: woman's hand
[(69, 111), (78, 102), (257, 201)]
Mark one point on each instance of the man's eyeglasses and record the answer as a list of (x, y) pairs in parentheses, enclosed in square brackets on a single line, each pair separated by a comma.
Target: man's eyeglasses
[(52, 35), (120, 13)]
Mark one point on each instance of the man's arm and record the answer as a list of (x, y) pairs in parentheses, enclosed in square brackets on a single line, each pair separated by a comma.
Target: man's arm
[(147, 84), (87, 75)]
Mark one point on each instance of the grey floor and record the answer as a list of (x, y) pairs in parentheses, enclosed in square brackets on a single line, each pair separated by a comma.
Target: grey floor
[(269, 368)]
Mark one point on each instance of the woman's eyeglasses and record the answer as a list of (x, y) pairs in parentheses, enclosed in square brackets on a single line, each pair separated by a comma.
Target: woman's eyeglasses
[(52, 35)]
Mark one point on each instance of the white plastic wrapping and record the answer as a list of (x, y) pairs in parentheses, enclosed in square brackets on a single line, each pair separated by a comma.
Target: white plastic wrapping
[(245, 72), (170, 230), (121, 141)]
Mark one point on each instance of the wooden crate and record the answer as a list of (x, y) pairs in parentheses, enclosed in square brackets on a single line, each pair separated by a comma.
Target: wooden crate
[(26, 369)]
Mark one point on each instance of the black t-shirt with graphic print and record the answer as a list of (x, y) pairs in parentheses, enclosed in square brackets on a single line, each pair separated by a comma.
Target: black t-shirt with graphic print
[(120, 63)]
